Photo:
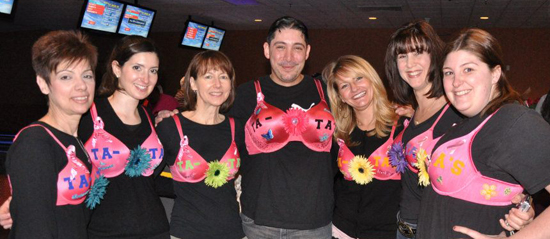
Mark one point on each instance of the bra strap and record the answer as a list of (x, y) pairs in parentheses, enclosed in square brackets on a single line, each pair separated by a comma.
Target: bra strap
[(258, 89), (47, 130), (178, 125), (440, 115), (232, 124), (93, 112), (393, 129), (148, 119), (320, 89)]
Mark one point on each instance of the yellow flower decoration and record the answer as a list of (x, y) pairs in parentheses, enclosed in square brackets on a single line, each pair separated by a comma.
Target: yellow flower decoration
[(361, 170), (489, 191), (423, 176)]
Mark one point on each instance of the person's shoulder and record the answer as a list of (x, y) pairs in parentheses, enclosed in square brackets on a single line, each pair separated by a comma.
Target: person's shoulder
[(247, 85), (400, 125), (35, 131), (239, 123), (33, 138), (101, 102), (516, 112), (513, 111), (452, 115), (167, 125)]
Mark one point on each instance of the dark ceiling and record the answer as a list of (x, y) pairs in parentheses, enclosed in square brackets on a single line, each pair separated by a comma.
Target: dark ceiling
[(316, 14)]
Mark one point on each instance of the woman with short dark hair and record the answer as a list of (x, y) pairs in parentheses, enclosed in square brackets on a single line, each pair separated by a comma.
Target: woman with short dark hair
[(47, 164)]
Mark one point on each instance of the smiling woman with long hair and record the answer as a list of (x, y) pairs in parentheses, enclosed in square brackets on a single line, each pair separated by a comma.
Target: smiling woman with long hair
[(497, 152), (368, 190), (124, 147)]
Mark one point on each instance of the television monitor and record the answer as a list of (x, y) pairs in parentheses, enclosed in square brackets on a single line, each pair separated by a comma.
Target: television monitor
[(194, 34), (213, 39), (102, 15), (7, 6), (136, 21)]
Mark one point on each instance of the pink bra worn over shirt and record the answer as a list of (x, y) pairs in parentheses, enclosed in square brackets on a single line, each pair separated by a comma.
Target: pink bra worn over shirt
[(270, 129), (379, 159), (190, 167), (425, 140), (74, 181), (109, 155), (453, 173)]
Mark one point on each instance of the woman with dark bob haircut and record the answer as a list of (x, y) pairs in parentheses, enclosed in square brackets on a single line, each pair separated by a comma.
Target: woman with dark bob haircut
[(124, 147), (201, 150), (413, 60), (47, 165), (497, 152)]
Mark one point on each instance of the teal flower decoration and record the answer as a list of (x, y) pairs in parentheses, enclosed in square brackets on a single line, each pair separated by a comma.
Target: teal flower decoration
[(217, 174), (138, 162), (97, 191)]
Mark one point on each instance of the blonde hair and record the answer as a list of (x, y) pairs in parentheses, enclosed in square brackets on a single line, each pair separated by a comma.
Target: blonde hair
[(344, 115)]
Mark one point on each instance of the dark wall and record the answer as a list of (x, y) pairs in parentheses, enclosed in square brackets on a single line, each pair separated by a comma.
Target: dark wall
[(526, 51)]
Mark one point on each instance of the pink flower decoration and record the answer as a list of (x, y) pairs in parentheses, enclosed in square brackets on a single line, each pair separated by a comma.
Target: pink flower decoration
[(295, 121)]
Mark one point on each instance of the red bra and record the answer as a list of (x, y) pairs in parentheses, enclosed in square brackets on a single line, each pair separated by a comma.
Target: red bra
[(190, 167), (379, 159), (270, 129), (110, 155), (74, 180)]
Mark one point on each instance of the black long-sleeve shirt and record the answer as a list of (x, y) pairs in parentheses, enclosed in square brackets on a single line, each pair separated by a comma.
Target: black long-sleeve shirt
[(33, 165), (293, 187), (200, 211), (130, 208), (366, 211)]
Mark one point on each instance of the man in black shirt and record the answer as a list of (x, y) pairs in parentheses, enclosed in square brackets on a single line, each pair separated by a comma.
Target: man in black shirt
[(287, 193)]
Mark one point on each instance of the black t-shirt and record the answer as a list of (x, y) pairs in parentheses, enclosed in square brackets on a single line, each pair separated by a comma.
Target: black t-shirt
[(33, 163), (513, 147), (412, 192), (293, 187), (367, 211), (130, 208), (200, 211)]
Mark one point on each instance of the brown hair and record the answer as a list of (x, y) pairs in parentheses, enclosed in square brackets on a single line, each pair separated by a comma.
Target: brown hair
[(200, 64), (122, 52), (487, 49), (355, 66), (414, 36), (56, 47)]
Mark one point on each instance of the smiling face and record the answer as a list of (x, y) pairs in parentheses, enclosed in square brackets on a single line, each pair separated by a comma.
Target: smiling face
[(469, 83), (287, 53), (71, 88), (138, 76), (357, 92), (212, 88), (414, 68)]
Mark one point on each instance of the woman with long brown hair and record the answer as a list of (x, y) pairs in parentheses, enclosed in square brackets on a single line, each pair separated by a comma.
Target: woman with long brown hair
[(497, 152)]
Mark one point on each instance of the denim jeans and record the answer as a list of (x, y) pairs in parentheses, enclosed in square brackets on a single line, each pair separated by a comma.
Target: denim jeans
[(254, 231)]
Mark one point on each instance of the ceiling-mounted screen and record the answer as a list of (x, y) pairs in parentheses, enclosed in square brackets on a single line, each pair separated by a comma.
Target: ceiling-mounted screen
[(136, 21), (6, 6), (213, 39), (102, 15), (194, 34)]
